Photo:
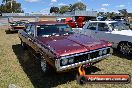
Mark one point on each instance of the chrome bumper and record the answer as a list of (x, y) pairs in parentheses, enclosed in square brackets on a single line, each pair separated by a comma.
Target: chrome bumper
[(67, 67)]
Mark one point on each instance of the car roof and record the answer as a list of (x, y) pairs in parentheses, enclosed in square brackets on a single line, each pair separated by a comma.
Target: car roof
[(46, 22), (104, 21)]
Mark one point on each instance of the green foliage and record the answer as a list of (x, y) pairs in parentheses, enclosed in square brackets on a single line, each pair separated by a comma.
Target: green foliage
[(64, 9), (54, 9), (67, 8), (109, 15), (124, 12), (5, 1), (8, 7), (78, 6)]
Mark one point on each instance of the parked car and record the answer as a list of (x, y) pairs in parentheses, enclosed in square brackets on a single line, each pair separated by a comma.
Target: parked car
[(115, 32), (58, 47), (77, 23), (17, 25)]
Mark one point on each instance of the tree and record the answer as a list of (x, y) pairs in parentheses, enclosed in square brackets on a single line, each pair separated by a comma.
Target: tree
[(11, 7), (124, 12), (110, 15), (64, 9), (54, 10), (78, 6), (5, 1), (101, 14)]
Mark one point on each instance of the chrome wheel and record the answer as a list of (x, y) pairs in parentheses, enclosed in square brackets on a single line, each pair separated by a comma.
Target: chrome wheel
[(125, 48), (43, 65)]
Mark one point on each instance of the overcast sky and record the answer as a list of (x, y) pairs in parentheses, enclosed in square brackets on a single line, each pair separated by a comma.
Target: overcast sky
[(98, 5)]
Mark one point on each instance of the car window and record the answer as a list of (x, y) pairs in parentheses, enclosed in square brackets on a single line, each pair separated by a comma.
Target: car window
[(92, 26), (28, 28), (57, 29), (118, 26), (103, 27), (32, 30)]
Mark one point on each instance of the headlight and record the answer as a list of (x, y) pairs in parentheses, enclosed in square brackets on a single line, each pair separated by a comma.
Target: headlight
[(100, 53), (71, 60), (105, 51), (64, 61), (13, 24)]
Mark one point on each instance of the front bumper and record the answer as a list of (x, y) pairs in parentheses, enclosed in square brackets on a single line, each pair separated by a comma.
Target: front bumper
[(93, 60)]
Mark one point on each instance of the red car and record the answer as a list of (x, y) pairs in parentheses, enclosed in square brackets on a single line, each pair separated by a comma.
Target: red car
[(58, 48), (79, 23)]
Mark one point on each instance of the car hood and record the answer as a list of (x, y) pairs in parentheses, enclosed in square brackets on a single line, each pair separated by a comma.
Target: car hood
[(71, 44), (123, 32)]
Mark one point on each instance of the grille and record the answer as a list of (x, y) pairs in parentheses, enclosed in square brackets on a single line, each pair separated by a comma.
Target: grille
[(87, 56)]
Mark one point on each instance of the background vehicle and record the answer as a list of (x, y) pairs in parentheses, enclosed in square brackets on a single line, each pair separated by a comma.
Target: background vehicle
[(17, 25), (115, 32), (56, 46), (78, 22)]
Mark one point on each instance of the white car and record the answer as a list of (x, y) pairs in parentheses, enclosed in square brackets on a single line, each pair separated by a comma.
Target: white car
[(115, 32)]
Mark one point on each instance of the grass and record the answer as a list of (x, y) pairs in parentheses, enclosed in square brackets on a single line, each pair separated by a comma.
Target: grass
[(19, 68)]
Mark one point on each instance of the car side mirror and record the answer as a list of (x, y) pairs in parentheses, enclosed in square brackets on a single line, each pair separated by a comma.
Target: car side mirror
[(27, 30)]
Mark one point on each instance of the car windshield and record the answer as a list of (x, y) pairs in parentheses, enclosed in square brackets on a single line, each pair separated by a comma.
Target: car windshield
[(58, 29), (118, 26)]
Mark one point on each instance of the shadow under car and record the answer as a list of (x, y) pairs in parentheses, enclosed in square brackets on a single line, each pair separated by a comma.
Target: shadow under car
[(31, 67)]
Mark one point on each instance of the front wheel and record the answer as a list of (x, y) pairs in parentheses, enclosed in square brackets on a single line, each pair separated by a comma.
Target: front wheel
[(45, 67), (125, 48)]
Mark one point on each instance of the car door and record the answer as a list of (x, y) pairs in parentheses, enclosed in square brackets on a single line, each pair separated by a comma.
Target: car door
[(31, 37), (103, 32), (90, 30), (24, 34)]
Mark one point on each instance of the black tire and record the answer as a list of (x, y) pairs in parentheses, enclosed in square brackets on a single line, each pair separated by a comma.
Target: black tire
[(125, 48)]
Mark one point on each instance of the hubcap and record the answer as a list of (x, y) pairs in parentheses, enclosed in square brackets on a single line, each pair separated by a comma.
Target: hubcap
[(43, 65), (125, 48)]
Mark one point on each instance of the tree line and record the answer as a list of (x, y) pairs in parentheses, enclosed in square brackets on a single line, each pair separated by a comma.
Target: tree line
[(10, 6), (68, 8)]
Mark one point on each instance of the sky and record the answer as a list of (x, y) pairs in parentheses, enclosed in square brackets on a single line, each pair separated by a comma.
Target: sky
[(43, 6)]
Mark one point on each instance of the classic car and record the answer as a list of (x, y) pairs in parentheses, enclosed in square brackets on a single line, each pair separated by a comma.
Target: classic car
[(77, 23), (113, 31), (73, 23), (58, 47), (17, 25)]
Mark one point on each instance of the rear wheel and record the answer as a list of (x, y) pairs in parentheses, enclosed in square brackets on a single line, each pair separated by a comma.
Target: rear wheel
[(125, 48)]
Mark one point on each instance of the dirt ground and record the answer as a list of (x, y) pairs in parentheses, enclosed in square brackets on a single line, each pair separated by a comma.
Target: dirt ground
[(19, 68)]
